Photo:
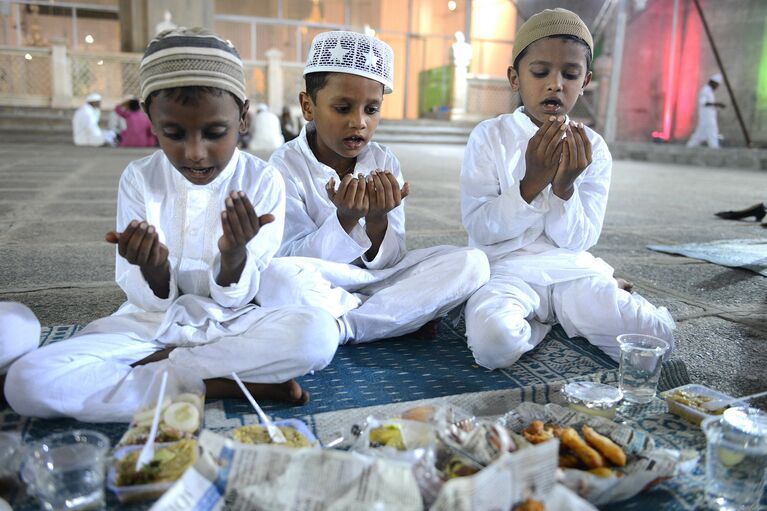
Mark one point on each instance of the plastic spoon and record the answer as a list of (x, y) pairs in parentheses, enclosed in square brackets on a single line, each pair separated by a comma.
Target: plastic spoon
[(719, 403), (274, 432), (147, 452)]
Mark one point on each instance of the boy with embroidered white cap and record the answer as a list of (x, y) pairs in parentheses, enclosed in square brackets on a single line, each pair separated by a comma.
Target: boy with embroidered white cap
[(345, 217), (197, 225), (533, 196)]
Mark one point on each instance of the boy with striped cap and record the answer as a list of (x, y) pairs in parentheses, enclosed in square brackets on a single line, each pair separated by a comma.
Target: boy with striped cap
[(533, 197), (198, 223), (345, 218)]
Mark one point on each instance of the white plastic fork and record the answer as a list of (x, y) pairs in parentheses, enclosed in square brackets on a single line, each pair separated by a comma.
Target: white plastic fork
[(274, 432), (719, 403), (147, 452)]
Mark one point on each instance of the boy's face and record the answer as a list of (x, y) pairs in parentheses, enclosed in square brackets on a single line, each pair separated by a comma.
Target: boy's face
[(551, 75), (345, 114), (198, 138)]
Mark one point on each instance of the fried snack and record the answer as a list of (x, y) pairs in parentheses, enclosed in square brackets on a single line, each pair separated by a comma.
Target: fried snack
[(529, 505), (536, 433), (589, 456), (605, 446), (603, 472), (259, 435), (422, 413), (569, 460), (387, 436), (168, 464), (455, 466)]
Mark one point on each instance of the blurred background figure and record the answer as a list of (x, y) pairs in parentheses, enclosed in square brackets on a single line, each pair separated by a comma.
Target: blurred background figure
[(85, 124), (266, 134), (707, 129), (138, 128), (289, 124)]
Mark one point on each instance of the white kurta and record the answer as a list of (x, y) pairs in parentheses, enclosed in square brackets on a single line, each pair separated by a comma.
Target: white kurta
[(394, 293), (85, 128), (19, 333), (267, 132), (540, 270), (707, 129), (217, 329)]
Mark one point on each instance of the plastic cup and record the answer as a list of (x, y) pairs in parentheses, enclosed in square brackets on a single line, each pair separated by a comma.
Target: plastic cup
[(65, 471), (639, 371), (736, 458)]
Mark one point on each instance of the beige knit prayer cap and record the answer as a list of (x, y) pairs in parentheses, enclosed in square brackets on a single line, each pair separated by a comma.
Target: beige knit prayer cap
[(186, 57), (547, 23)]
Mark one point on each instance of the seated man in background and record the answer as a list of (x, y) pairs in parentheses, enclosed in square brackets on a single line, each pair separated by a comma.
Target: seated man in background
[(85, 124)]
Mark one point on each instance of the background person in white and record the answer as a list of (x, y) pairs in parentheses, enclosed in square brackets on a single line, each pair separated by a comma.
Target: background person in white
[(85, 124), (266, 133), (707, 129)]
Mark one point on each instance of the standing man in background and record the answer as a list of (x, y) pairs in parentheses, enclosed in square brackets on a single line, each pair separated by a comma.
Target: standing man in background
[(707, 129)]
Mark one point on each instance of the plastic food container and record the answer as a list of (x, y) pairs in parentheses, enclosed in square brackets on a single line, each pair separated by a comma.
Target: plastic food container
[(593, 398), (296, 424), (688, 411), (135, 492)]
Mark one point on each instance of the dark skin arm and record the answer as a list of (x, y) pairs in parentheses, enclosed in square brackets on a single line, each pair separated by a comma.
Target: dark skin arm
[(240, 224), (542, 158), (384, 195), (139, 244)]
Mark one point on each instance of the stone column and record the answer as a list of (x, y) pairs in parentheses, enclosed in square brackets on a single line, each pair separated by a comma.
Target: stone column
[(274, 80), (461, 51), (61, 75)]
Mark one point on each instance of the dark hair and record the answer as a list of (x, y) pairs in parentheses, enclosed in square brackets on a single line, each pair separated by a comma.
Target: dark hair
[(134, 105), (316, 81), (564, 37), (190, 95)]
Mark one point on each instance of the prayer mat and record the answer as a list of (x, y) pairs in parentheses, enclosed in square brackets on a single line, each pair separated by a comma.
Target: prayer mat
[(750, 254)]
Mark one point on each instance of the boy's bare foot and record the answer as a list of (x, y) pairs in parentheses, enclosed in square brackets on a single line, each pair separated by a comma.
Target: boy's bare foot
[(625, 284), (428, 331), (288, 392)]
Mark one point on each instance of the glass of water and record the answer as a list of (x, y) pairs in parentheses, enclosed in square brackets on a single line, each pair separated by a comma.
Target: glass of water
[(66, 470), (736, 458), (641, 359)]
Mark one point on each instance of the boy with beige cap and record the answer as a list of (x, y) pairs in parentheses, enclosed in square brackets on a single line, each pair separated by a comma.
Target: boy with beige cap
[(533, 196)]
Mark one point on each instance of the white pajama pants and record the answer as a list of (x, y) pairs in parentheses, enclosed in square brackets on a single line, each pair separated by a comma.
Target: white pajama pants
[(19, 333), (90, 378), (378, 304), (508, 317)]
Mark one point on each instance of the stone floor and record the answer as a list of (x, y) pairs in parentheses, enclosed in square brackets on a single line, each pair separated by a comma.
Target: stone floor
[(56, 203)]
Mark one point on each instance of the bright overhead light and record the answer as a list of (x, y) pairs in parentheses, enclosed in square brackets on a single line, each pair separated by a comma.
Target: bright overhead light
[(28, 56), (89, 39), (451, 5), (100, 63)]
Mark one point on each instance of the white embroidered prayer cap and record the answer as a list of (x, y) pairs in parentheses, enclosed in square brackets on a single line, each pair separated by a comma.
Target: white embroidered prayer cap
[(93, 97), (353, 53)]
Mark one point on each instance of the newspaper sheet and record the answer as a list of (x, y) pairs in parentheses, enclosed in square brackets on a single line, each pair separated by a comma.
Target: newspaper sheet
[(233, 476), (646, 464)]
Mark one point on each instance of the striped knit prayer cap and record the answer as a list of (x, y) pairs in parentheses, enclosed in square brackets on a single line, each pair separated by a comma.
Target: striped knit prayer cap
[(547, 23), (187, 57), (340, 51)]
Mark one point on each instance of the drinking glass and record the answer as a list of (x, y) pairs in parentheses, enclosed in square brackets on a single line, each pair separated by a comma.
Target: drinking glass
[(641, 359), (736, 458), (66, 470)]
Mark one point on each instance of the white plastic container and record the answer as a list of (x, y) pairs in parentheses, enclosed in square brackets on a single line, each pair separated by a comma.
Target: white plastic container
[(688, 412)]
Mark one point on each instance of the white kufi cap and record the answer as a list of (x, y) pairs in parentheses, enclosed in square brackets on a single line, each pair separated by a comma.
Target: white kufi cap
[(93, 96), (716, 78), (353, 53)]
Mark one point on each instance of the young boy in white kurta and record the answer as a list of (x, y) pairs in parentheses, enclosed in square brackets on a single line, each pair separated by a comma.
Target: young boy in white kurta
[(533, 196), (345, 216), (191, 252)]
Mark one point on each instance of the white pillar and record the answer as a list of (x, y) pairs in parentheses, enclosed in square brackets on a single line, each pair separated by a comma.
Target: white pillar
[(61, 75), (611, 122), (461, 52), (274, 86)]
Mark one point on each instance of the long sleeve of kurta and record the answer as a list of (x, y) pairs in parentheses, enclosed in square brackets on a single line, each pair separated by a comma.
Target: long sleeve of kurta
[(312, 228), (131, 206), (576, 223)]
